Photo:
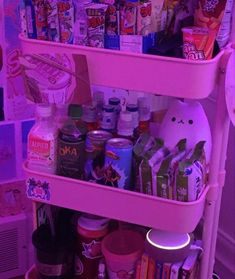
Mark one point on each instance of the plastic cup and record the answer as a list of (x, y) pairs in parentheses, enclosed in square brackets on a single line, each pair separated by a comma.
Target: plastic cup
[(53, 257), (122, 249)]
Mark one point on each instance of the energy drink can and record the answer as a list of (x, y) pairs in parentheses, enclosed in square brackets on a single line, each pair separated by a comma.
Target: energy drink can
[(30, 19), (52, 20), (66, 20), (40, 19), (95, 155), (118, 163)]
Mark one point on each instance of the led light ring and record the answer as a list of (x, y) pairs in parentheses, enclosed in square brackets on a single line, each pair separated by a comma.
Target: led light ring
[(167, 247)]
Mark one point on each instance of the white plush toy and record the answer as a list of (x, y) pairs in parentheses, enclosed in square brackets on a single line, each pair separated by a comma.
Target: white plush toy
[(186, 119)]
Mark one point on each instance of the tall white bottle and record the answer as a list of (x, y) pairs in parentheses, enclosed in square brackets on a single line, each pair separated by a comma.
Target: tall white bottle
[(42, 141)]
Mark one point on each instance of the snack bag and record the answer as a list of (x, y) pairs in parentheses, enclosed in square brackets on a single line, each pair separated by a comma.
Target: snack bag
[(198, 43), (143, 144), (128, 18), (153, 156), (96, 24), (163, 173), (144, 18), (40, 19), (52, 20), (209, 14), (66, 20), (158, 16), (191, 175)]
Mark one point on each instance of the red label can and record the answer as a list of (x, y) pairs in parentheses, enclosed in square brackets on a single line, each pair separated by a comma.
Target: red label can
[(91, 230)]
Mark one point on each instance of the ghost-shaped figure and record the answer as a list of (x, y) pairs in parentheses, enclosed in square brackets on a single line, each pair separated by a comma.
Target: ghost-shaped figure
[(186, 119)]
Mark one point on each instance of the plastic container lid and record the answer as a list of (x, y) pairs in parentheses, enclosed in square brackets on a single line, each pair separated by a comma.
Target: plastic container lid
[(132, 108), (93, 223), (89, 113), (108, 108), (75, 111), (122, 245), (125, 125), (44, 110), (114, 101)]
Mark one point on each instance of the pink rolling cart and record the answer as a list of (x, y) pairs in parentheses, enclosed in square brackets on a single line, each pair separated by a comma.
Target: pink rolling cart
[(146, 73)]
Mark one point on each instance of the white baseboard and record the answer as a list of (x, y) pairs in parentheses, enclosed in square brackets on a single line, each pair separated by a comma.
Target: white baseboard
[(225, 255)]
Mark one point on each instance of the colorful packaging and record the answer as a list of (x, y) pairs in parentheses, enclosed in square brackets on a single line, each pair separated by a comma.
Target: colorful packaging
[(80, 25), (40, 19), (163, 173), (137, 43), (111, 17), (52, 20), (70, 151), (144, 266), (96, 24), (144, 18), (198, 43), (30, 19), (118, 163), (66, 20), (151, 157), (191, 175), (143, 144), (128, 18), (95, 155), (23, 22), (209, 14), (158, 15), (91, 230)]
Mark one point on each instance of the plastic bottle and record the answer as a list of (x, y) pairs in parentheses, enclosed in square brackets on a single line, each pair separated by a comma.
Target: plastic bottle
[(144, 117), (71, 151), (98, 101), (116, 104), (125, 126), (61, 115), (89, 117), (42, 141), (108, 120), (75, 113), (133, 109)]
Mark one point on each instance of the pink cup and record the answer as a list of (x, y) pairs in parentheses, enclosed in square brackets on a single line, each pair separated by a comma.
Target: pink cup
[(122, 249)]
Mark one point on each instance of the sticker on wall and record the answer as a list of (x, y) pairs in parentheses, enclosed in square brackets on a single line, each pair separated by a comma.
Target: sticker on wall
[(7, 152), (37, 189)]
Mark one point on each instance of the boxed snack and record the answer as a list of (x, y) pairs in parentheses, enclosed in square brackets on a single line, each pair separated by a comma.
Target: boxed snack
[(191, 175), (163, 173)]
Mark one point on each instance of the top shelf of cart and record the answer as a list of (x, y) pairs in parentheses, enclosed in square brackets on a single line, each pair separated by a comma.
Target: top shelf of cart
[(139, 72)]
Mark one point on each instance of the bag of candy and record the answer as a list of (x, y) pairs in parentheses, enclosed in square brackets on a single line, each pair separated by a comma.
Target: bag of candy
[(190, 177)]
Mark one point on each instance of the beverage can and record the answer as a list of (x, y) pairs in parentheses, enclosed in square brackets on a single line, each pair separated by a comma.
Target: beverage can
[(118, 162), (90, 231), (70, 152), (95, 155)]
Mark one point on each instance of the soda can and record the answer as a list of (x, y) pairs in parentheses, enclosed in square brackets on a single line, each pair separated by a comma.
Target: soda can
[(30, 19), (90, 232), (40, 19), (52, 20), (118, 163), (95, 155)]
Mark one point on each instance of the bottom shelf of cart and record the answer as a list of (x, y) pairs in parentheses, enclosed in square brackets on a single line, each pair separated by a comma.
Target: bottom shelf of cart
[(115, 203)]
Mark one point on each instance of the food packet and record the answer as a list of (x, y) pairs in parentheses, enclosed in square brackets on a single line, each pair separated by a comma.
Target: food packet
[(209, 14), (163, 173), (96, 24), (143, 144), (190, 177), (153, 156), (198, 43), (144, 18)]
